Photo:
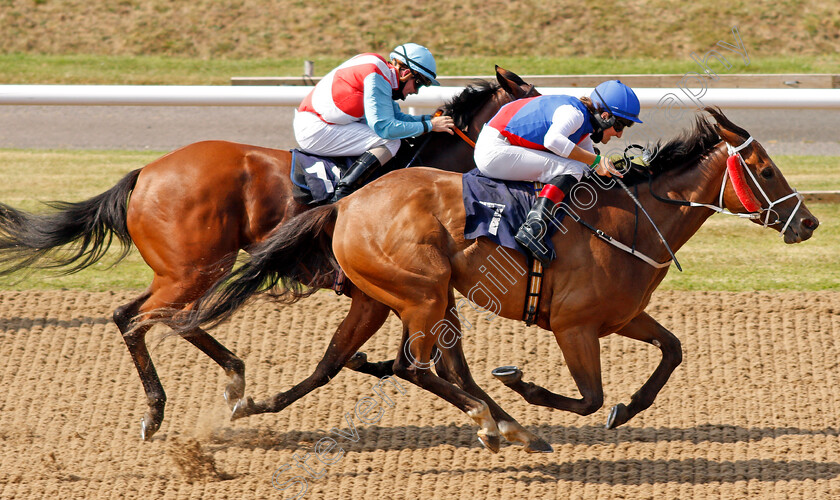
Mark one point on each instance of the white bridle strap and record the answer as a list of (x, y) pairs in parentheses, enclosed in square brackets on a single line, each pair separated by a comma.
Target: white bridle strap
[(735, 150)]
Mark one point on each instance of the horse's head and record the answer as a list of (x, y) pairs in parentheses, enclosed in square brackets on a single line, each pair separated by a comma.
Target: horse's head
[(470, 110), (757, 185), (511, 88)]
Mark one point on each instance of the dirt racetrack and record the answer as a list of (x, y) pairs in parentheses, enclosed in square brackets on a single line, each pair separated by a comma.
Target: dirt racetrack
[(751, 413)]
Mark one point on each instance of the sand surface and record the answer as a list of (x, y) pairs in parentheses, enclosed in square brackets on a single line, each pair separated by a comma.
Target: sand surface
[(751, 413)]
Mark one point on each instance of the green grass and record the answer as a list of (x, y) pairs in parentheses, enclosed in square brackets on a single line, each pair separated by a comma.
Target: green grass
[(159, 70), (730, 254), (726, 254)]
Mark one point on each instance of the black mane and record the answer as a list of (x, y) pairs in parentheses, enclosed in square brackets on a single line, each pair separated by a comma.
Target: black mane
[(463, 107), (682, 151)]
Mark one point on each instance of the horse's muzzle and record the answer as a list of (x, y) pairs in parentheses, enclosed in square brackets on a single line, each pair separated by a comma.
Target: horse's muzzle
[(801, 229)]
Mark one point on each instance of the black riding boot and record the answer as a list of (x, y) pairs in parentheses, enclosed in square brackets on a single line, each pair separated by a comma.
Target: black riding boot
[(358, 172), (537, 228)]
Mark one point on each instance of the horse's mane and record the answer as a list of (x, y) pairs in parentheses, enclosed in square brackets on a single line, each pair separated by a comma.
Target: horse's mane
[(463, 107), (684, 150)]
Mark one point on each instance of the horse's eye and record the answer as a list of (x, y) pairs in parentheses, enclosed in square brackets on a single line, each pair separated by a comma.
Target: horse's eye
[(767, 172)]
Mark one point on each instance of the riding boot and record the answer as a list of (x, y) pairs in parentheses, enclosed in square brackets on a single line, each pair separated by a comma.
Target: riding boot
[(358, 172), (536, 229)]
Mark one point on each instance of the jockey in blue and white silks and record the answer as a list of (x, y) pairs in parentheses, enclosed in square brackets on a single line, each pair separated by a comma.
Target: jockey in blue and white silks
[(352, 111), (550, 139)]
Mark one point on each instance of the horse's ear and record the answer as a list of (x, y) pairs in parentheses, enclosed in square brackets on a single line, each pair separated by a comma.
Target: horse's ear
[(728, 131), (510, 81)]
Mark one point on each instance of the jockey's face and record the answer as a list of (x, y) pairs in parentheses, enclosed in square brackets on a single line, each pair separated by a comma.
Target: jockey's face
[(409, 83), (610, 132)]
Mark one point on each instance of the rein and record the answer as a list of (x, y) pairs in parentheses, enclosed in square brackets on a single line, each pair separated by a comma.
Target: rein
[(735, 167), (458, 131)]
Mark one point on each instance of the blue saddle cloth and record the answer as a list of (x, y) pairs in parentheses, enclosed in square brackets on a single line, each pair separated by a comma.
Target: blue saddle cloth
[(315, 177), (496, 209)]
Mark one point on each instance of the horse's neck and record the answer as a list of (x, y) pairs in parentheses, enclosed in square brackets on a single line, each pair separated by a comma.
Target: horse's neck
[(447, 152), (700, 183)]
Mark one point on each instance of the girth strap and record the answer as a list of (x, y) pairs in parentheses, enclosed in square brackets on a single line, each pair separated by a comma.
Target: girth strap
[(534, 286), (533, 291)]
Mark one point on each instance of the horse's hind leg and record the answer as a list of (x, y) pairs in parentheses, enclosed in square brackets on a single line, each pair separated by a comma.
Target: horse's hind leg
[(365, 317), (135, 340), (452, 365), (129, 319), (414, 364), (233, 366), (647, 329)]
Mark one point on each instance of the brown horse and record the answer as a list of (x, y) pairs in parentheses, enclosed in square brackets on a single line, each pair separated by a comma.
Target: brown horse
[(414, 256), (191, 211)]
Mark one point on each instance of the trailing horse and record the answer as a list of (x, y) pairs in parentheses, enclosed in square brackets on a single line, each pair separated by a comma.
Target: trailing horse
[(414, 256), (191, 211)]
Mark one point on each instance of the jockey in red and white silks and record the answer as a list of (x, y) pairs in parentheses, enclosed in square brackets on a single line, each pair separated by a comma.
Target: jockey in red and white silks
[(352, 110)]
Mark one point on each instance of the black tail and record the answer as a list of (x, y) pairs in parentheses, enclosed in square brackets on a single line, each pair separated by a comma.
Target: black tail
[(294, 261), (36, 240)]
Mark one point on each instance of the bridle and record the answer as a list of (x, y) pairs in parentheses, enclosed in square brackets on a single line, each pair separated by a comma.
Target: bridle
[(735, 168)]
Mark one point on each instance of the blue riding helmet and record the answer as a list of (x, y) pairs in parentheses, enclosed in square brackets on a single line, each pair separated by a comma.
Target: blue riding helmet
[(417, 58), (620, 99)]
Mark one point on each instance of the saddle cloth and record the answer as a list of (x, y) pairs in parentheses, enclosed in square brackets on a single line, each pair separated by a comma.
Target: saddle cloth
[(496, 209), (314, 177)]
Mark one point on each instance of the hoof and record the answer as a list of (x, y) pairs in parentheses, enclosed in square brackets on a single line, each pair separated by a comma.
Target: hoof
[(507, 374), (243, 408), (618, 415), (539, 445), (148, 428), (356, 361), (492, 443), (234, 391)]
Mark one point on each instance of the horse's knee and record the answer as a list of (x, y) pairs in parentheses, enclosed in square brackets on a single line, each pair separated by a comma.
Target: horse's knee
[(671, 348)]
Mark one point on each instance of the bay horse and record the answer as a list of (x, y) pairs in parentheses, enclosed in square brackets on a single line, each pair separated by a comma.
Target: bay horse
[(414, 256), (191, 211)]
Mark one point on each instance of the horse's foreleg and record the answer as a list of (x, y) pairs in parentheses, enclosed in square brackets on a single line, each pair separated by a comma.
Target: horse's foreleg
[(582, 353), (365, 317), (135, 340), (646, 329)]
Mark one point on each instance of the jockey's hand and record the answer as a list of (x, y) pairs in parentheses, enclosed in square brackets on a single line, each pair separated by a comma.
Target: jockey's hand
[(443, 124), (606, 167)]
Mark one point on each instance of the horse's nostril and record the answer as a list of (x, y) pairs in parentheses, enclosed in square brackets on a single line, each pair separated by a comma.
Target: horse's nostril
[(810, 223)]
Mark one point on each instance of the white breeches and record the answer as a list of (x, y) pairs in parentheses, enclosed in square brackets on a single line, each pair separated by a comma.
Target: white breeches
[(320, 138), (497, 158)]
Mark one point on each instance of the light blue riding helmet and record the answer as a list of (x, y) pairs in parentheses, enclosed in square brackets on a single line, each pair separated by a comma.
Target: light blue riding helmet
[(417, 58), (620, 99)]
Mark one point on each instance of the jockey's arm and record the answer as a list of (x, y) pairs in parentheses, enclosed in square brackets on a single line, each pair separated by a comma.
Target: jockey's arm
[(383, 114), (566, 120)]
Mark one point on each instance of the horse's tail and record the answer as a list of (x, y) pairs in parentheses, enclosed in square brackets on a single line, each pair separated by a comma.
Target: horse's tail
[(295, 261), (36, 240)]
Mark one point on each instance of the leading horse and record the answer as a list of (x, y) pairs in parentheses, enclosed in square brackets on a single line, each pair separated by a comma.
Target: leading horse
[(191, 211), (415, 255)]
